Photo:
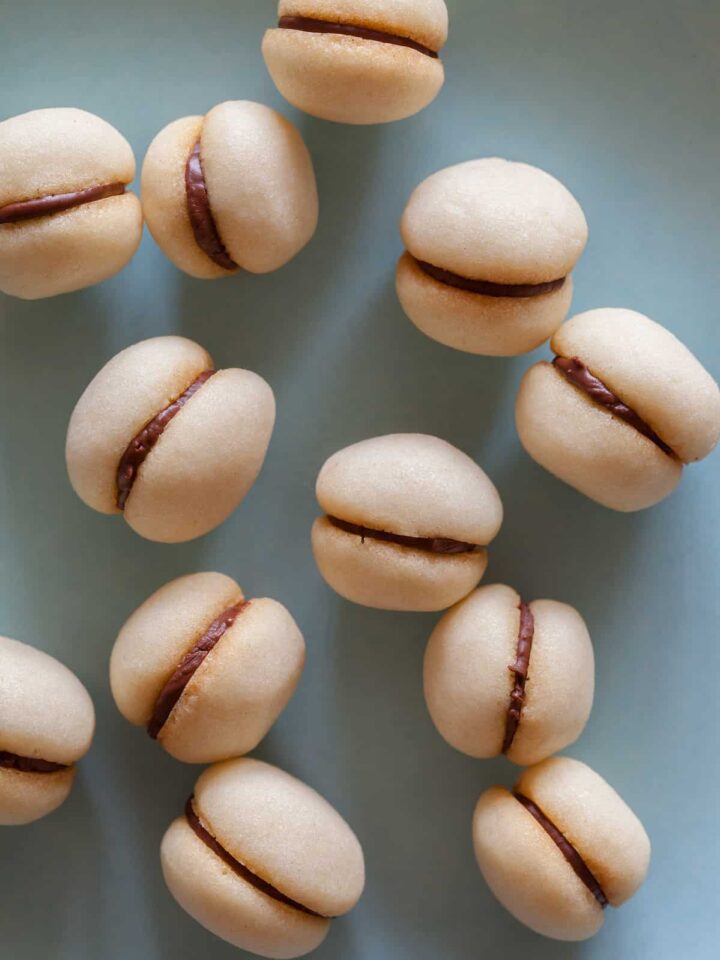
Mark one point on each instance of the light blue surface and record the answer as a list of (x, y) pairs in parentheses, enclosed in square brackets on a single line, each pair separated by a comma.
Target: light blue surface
[(618, 99)]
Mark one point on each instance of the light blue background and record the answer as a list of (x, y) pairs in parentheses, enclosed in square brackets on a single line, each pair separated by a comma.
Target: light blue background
[(620, 100)]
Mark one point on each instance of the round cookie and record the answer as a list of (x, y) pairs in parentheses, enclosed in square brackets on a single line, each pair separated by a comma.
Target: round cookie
[(206, 671), (560, 848), (167, 440), (358, 61), (505, 676), (47, 723), (620, 410), (407, 519), (262, 860), (490, 245), (66, 218), (232, 190)]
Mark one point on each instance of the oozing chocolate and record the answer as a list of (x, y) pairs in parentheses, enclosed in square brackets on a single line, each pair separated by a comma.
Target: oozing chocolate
[(173, 689), (520, 669), (239, 868), (310, 25), (141, 445), (57, 202), (200, 212), (428, 544), (13, 761), (485, 287), (579, 374), (566, 848)]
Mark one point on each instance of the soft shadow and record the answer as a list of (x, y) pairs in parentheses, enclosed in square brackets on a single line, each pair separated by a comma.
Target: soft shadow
[(568, 547), (410, 797), (50, 873), (326, 404), (264, 321), (344, 937)]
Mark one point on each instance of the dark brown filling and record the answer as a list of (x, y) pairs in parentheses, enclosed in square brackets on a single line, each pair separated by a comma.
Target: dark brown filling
[(566, 848), (309, 25), (578, 374), (240, 869), (485, 287), (174, 688), (428, 544), (140, 446), (57, 202), (12, 761), (520, 669), (200, 212)]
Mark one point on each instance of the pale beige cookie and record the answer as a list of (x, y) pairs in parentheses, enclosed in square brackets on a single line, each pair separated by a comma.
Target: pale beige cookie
[(560, 848), (47, 723), (233, 190), (621, 409), (358, 61), (162, 436), (262, 860), (206, 671), (67, 220), (490, 247), (505, 676), (407, 520)]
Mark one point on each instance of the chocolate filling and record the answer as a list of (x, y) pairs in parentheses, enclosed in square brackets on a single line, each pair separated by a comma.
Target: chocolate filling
[(141, 445), (578, 374), (566, 848), (57, 202), (174, 688), (428, 544), (239, 868), (309, 25), (12, 761), (520, 669), (485, 287), (200, 212)]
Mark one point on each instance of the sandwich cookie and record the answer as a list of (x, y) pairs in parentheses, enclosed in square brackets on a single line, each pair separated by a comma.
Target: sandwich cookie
[(262, 860), (232, 190), (407, 521), (620, 410), (358, 61), (67, 220), (490, 246), (47, 723), (560, 848), (505, 676), (206, 671), (167, 440)]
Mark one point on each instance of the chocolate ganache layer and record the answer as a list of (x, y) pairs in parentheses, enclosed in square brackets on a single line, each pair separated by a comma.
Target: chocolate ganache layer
[(57, 202), (13, 761), (579, 374), (520, 291), (239, 868), (310, 25), (428, 544), (572, 856), (520, 669), (140, 446), (200, 212), (175, 687)]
